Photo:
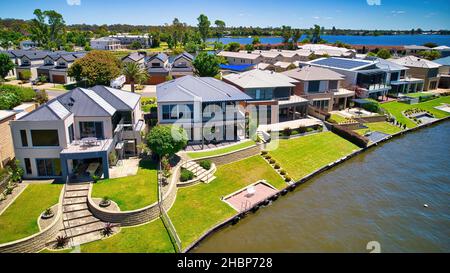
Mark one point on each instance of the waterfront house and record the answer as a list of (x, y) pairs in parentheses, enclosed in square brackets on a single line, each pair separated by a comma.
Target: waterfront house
[(322, 87), (6, 142), (444, 50), (126, 39), (106, 43), (191, 102), (329, 51), (182, 65), (421, 68), (415, 49), (272, 91), (444, 72), (241, 58), (158, 68), (362, 76), (135, 57), (74, 134)]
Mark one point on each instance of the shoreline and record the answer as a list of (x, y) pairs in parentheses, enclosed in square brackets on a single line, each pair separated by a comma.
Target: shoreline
[(236, 218)]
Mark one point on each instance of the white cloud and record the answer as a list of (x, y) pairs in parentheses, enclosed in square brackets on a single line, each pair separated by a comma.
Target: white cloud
[(316, 17), (398, 11), (373, 2), (73, 2)]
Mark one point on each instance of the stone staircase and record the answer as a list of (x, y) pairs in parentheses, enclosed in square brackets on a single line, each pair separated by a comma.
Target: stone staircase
[(263, 136), (80, 226), (201, 174)]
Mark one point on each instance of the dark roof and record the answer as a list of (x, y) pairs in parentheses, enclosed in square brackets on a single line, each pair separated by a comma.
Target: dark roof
[(135, 56), (158, 70), (119, 99), (36, 55), (186, 55), (206, 89), (160, 56), (181, 69), (341, 63)]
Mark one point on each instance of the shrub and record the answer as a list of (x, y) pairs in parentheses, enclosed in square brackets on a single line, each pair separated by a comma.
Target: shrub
[(41, 97), (282, 172), (205, 164), (372, 106), (294, 132), (186, 175), (271, 161), (107, 229), (287, 131), (309, 129), (8, 101), (263, 152), (61, 241), (277, 166), (302, 129), (351, 136), (48, 211), (268, 157), (287, 178)]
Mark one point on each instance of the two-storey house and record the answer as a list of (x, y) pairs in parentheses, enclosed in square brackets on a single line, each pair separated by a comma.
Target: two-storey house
[(421, 68), (182, 65), (158, 68)]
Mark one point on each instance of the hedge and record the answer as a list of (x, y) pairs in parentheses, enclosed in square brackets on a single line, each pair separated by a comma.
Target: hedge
[(353, 137), (12, 95)]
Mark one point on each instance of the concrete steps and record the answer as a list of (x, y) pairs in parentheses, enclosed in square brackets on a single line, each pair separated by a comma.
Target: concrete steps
[(201, 174)]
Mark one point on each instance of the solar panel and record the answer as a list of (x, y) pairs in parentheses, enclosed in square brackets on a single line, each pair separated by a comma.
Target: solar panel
[(340, 63)]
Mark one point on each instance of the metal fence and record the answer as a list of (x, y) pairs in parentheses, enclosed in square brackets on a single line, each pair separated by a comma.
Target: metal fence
[(165, 218)]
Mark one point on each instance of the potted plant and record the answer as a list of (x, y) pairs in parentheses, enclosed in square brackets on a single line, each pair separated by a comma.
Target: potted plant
[(105, 202), (61, 241), (107, 229), (48, 213)]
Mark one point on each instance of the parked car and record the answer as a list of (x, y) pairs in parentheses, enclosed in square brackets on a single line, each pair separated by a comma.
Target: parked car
[(118, 82)]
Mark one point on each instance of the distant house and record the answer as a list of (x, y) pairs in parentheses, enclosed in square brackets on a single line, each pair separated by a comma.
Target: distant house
[(271, 91), (444, 71), (329, 51), (182, 65), (59, 73), (30, 61), (415, 49), (73, 135), (127, 39), (135, 57), (158, 68), (106, 43), (322, 87), (6, 141), (190, 101), (422, 69), (241, 58), (27, 44), (444, 50)]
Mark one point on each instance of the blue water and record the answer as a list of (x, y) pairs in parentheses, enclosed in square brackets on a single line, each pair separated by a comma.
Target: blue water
[(356, 40)]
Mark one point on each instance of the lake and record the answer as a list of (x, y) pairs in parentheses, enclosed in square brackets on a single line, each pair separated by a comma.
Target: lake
[(356, 40), (378, 196)]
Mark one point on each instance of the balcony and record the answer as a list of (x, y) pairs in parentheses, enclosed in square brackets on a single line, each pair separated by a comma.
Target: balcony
[(129, 131), (88, 145)]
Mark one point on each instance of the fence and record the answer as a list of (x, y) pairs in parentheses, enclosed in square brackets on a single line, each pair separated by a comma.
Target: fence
[(165, 218)]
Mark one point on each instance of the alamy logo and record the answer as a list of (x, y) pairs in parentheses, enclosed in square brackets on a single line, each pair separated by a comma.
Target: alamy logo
[(374, 246)]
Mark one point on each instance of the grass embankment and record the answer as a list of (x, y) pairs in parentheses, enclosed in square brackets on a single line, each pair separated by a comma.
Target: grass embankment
[(338, 118), (303, 155), (396, 108), (225, 150), (131, 192), (199, 208), (19, 220), (383, 127)]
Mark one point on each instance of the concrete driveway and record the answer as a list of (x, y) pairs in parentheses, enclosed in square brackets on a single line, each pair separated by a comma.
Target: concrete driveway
[(148, 91)]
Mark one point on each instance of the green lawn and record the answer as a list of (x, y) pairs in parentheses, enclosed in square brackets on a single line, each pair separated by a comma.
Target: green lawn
[(303, 155), (131, 192), (383, 127), (338, 118), (222, 150), (20, 218), (198, 208), (396, 108), (148, 238), (418, 94)]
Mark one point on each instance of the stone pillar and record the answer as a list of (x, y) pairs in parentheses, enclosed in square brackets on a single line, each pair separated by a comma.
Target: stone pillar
[(64, 168)]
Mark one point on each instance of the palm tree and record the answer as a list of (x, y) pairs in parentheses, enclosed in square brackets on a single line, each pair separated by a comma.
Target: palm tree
[(134, 73)]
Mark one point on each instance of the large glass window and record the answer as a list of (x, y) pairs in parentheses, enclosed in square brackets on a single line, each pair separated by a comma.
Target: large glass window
[(433, 72), (27, 165), (313, 86), (44, 138), (91, 129), (23, 137), (71, 134), (333, 85), (174, 111), (49, 167)]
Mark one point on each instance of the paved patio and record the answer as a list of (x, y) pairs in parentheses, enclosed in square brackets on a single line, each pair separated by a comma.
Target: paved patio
[(198, 147), (125, 167), (242, 200), (355, 112), (276, 127)]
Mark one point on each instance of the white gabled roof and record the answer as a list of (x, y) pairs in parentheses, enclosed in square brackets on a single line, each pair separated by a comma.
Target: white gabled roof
[(413, 61), (257, 78), (58, 109), (241, 55), (99, 100)]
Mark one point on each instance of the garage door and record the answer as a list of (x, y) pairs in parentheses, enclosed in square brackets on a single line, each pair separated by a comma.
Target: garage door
[(59, 79), (156, 79)]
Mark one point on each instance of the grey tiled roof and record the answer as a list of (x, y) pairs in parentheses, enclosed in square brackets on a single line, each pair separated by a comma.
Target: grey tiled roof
[(161, 56), (206, 89), (119, 99), (135, 56), (186, 55), (157, 70)]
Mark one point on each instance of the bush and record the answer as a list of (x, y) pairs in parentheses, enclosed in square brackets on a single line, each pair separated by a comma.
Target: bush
[(351, 136), (23, 93), (372, 106), (282, 172), (205, 164), (287, 178), (268, 157), (287, 131), (263, 152), (309, 129), (8, 101), (271, 161), (277, 166), (302, 129), (186, 175)]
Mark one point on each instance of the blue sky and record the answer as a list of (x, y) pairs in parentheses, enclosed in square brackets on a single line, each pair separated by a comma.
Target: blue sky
[(354, 14)]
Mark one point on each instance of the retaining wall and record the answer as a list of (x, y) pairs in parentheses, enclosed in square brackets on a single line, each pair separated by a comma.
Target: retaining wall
[(233, 156), (371, 119), (38, 241)]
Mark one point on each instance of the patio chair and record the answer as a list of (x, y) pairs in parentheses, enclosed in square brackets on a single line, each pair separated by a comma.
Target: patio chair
[(251, 191)]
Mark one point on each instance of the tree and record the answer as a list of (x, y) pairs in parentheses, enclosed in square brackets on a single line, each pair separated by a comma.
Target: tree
[(249, 47), (430, 55), (25, 75), (220, 28), (256, 40), (47, 29), (286, 33), (233, 46), (191, 47), (134, 73), (296, 36), (206, 65), (98, 67), (203, 26), (136, 45), (5, 65), (166, 140), (430, 45), (316, 34), (384, 54)]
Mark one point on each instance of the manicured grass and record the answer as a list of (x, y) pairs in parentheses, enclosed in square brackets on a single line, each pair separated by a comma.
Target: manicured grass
[(148, 238), (338, 118), (418, 94), (383, 127), (396, 109), (131, 192), (222, 150), (303, 155), (20, 218), (199, 207)]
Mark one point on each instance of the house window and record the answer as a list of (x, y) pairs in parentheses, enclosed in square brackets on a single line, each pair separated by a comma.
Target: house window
[(27, 165), (23, 137), (174, 111), (156, 65), (169, 112), (313, 86), (71, 134), (258, 94), (394, 76), (44, 138), (91, 129), (433, 72), (333, 85), (49, 167)]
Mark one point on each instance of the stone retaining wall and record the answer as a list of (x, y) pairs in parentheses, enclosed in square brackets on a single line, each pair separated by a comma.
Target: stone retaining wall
[(233, 156), (134, 217), (38, 241), (371, 119), (195, 181)]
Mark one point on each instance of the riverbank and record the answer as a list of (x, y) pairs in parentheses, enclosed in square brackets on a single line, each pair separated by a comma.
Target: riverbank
[(237, 217)]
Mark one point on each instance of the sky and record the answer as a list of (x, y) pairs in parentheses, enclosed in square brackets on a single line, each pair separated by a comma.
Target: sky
[(353, 14)]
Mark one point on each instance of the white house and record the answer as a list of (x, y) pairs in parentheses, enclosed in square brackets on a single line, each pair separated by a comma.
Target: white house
[(106, 43)]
